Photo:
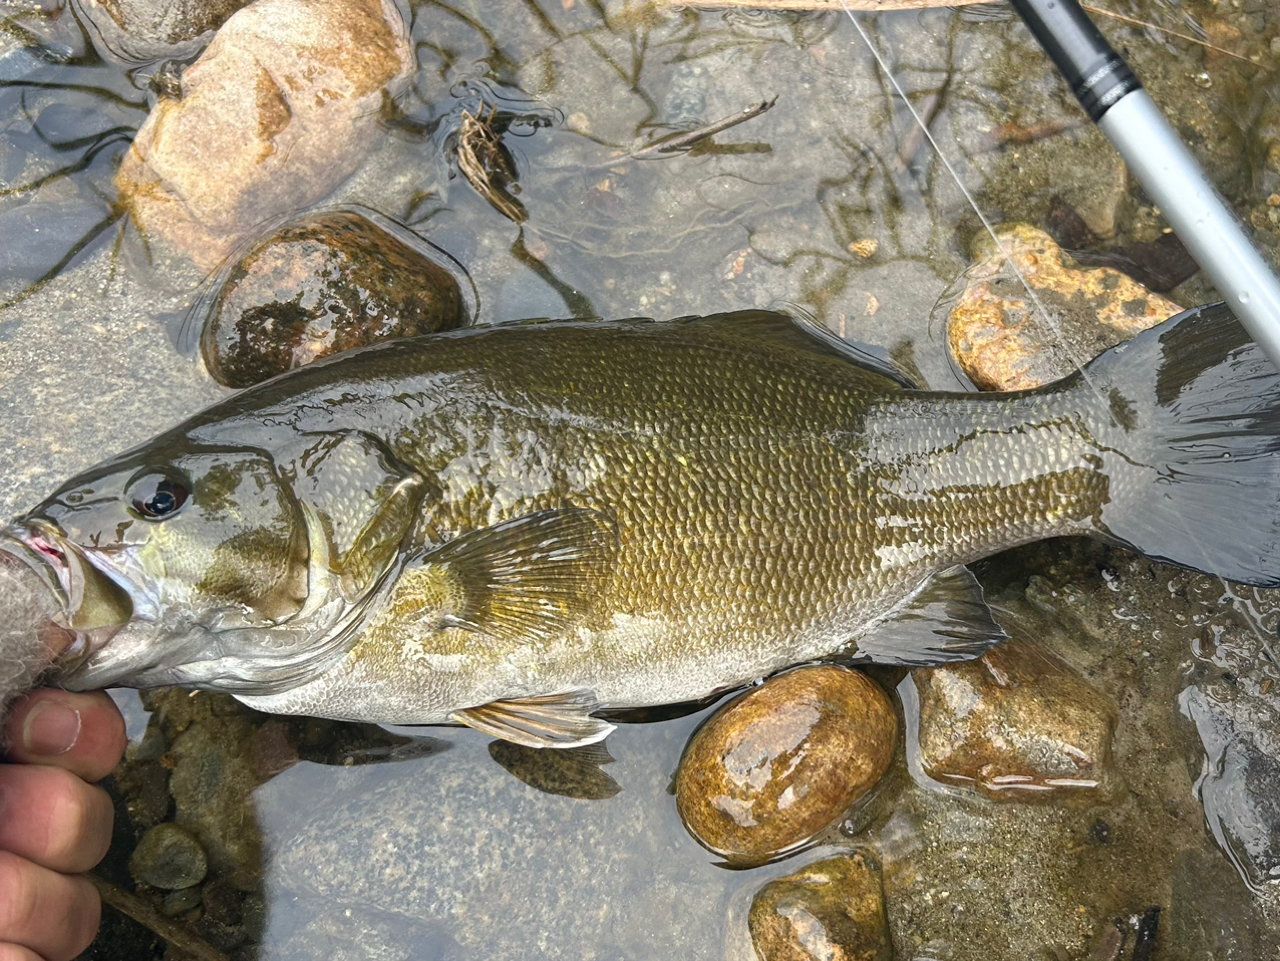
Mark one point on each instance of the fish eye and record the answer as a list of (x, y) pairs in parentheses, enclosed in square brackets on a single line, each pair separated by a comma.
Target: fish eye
[(156, 495)]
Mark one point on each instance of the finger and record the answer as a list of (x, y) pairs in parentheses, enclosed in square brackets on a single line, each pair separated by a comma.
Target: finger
[(16, 952), (53, 818), (54, 915), (83, 733)]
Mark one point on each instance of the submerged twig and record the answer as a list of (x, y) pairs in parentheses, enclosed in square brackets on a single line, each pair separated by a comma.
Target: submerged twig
[(914, 137), (1172, 33), (686, 140), (683, 141), (482, 162), (179, 935)]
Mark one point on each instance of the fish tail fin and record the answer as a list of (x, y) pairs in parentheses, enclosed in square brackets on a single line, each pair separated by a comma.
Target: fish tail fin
[(1192, 446)]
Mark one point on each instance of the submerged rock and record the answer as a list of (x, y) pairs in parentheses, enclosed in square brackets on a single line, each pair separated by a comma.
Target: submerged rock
[(280, 109), (180, 901), (168, 857), (831, 910), (1209, 914), (147, 30), (782, 762), (1000, 339), (1018, 724), (212, 781), (1239, 727), (322, 284), (469, 862)]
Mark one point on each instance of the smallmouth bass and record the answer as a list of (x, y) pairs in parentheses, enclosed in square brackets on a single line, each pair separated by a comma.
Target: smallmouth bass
[(516, 527)]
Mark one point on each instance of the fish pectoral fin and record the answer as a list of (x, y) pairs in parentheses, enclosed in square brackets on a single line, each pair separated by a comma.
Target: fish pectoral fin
[(946, 620), (550, 720), (533, 577)]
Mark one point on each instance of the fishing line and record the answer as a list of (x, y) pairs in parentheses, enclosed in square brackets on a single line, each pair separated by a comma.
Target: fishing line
[(1251, 621), (1000, 245)]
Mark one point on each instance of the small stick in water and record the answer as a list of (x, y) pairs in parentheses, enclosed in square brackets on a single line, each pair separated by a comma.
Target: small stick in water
[(686, 140), (176, 933), (683, 141)]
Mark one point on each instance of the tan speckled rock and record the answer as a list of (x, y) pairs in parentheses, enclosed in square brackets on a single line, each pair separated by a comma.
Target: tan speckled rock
[(279, 110), (1000, 339), (831, 910), (782, 762), (1017, 724)]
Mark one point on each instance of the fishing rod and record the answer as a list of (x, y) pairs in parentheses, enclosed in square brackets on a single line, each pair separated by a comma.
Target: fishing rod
[(1114, 99)]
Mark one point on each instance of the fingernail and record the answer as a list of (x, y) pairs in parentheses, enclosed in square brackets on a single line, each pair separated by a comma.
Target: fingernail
[(50, 729)]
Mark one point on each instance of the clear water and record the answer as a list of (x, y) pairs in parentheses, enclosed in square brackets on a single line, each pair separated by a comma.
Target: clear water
[(440, 852)]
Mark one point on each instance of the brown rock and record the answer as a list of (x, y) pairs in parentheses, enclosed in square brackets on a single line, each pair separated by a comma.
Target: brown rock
[(1017, 724), (782, 762), (323, 284), (280, 109), (212, 785), (998, 335), (169, 858), (831, 910)]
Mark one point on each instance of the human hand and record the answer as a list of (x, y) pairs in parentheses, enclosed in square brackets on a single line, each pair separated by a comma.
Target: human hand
[(54, 823)]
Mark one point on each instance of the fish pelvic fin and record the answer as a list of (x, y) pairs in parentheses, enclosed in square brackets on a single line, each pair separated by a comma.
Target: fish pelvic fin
[(551, 720), (945, 621), (1191, 446), (533, 577)]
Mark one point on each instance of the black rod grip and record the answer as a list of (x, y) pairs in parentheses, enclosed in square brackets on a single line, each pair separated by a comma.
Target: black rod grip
[(1097, 74)]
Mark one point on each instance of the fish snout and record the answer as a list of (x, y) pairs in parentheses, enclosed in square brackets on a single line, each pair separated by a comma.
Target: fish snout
[(81, 609)]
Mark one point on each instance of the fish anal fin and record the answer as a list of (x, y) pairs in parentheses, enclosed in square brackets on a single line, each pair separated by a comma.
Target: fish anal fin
[(531, 578), (550, 720), (946, 620)]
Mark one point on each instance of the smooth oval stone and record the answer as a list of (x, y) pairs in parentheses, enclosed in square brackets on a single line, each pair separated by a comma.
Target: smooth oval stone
[(831, 909), (180, 902), (168, 857), (782, 762), (322, 284)]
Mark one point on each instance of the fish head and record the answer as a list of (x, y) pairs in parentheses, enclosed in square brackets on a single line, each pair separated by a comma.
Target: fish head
[(216, 567)]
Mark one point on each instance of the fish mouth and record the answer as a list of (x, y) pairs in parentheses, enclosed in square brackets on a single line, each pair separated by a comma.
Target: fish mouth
[(94, 607)]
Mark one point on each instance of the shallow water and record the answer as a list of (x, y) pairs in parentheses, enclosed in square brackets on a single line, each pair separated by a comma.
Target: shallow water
[(442, 853)]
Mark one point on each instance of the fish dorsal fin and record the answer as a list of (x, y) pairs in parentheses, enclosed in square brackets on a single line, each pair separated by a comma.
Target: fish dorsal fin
[(533, 577), (946, 620), (551, 720), (362, 502), (799, 331)]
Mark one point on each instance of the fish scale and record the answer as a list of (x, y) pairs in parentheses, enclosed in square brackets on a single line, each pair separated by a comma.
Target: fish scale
[(516, 527), (753, 537)]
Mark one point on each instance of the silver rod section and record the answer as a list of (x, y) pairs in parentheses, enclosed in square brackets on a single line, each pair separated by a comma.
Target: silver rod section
[(1172, 178)]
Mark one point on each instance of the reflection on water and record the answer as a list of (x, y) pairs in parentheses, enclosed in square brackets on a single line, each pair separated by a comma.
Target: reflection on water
[(832, 201)]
